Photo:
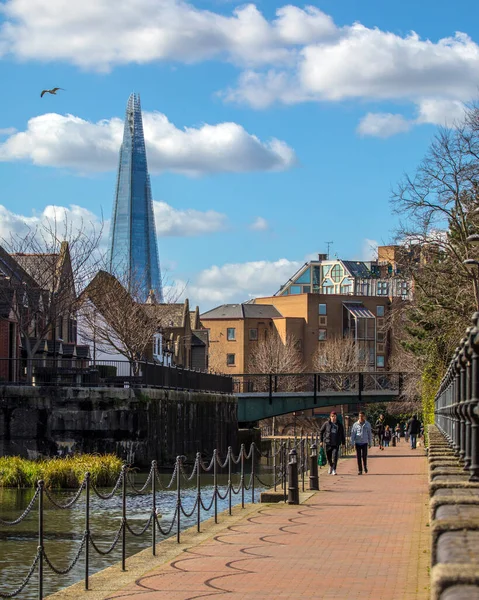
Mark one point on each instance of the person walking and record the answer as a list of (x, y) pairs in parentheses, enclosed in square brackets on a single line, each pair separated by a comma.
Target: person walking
[(361, 439), (380, 431), (332, 436), (413, 427), (387, 436), (397, 431)]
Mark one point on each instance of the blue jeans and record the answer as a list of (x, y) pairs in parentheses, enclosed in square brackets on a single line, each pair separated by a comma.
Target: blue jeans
[(413, 438)]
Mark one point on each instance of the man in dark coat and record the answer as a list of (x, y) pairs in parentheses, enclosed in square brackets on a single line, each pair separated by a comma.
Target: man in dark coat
[(413, 427), (380, 426), (332, 436)]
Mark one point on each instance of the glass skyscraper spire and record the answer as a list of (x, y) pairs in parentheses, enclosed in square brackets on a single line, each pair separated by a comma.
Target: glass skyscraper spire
[(133, 247)]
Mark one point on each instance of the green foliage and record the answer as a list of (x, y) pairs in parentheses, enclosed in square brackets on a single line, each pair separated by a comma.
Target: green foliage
[(59, 472)]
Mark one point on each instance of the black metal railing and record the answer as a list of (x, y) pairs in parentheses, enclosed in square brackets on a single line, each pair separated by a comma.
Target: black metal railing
[(112, 373), (316, 383), (457, 401), (234, 466)]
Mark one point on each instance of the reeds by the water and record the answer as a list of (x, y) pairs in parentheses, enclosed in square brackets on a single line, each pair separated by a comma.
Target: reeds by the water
[(65, 472)]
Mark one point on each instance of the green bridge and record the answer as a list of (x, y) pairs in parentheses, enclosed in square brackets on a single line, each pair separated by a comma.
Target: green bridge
[(269, 395)]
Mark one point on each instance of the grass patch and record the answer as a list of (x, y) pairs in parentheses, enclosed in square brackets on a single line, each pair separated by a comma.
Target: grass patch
[(59, 472)]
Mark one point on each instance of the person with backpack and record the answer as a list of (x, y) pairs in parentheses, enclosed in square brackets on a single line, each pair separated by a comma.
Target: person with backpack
[(332, 436), (387, 436)]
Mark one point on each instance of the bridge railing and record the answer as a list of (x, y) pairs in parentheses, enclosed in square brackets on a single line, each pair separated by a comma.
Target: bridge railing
[(83, 372), (316, 383), (457, 401)]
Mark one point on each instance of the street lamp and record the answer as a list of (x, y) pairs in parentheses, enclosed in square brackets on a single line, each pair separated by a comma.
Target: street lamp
[(471, 264)]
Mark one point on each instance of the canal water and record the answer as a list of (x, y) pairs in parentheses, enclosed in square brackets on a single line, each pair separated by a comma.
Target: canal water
[(64, 528)]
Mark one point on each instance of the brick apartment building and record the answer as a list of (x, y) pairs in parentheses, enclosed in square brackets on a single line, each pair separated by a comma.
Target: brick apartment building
[(324, 299)]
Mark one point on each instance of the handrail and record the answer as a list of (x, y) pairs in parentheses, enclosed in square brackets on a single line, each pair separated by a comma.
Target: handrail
[(125, 486)]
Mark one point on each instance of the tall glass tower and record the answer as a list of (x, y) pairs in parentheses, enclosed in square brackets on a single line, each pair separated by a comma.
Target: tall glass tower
[(133, 248)]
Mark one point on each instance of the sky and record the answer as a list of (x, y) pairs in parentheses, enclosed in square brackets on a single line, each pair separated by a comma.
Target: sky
[(271, 128)]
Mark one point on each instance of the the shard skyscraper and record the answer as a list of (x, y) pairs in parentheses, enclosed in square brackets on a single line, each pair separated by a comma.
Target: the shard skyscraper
[(133, 248)]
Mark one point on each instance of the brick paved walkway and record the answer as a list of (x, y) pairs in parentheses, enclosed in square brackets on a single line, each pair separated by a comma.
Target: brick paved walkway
[(360, 537)]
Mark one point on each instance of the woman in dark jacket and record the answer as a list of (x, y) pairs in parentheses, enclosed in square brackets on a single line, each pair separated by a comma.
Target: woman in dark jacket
[(332, 436)]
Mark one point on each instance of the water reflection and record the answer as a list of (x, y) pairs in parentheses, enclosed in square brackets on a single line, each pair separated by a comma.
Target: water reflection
[(64, 528)]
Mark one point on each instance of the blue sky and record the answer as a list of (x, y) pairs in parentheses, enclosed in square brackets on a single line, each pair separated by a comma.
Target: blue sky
[(270, 128)]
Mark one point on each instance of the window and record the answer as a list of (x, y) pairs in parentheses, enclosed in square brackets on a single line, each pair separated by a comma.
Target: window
[(231, 334), (380, 361), (253, 335), (380, 336), (295, 289), (306, 289), (382, 288), (336, 273), (380, 311), (323, 310), (230, 360), (321, 335)]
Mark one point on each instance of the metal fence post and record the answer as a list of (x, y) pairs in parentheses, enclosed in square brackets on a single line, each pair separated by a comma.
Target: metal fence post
[(87, 527), (153, 506), (313, 472), (40, 539), (253, 473), (273, 446), (215, 482), (293, 489), (198, 490), (123, 519), (230, 450), (178, 498), (242, 475)]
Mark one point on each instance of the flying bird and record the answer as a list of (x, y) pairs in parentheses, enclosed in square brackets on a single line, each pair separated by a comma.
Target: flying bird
[(52, 91)]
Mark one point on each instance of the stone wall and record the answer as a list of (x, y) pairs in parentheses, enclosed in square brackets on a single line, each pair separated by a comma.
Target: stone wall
[(454, 524), (138, 425)]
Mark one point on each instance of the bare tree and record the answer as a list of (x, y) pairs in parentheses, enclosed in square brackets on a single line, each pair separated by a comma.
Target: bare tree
[(340, 358), (117, 321), (56, 259), (113, 320), (272, 355)]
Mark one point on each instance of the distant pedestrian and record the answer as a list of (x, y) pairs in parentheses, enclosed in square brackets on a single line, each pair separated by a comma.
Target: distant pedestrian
[(380, 431), (387, 435), (397, 431), (361, 439), (413, 427), (332, 436)]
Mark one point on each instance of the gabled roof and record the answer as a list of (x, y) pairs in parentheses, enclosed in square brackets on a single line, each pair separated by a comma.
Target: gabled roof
[(167, 315), (242, 311)]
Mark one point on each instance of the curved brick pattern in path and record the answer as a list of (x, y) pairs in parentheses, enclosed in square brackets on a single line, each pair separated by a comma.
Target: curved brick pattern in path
[(360, 537)]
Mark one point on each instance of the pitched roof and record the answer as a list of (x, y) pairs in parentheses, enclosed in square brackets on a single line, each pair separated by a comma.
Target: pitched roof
[(242, 311), (167, 315)]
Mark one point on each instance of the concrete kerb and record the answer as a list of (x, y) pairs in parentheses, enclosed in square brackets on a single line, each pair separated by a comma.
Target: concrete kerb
[(112, 579)]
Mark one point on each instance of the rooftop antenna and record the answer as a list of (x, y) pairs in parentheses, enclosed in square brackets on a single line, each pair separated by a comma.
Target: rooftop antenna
[(328, 245)]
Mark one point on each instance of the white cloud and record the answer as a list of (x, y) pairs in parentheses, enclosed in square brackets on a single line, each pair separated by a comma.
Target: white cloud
[(69, 141), (99, 34), (383, 125), (440, 112), (237, 282), (7, 131), (186, 223), (369, 249), (74, 218), (259, 224)]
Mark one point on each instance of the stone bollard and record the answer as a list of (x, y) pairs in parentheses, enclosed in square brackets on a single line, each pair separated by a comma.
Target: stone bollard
[(293, 489), (313, 471)]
